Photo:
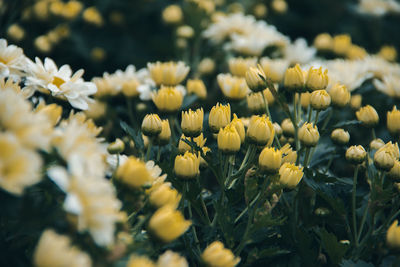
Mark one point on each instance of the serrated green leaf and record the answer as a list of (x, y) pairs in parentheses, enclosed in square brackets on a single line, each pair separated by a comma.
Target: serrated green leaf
[(332, 246)]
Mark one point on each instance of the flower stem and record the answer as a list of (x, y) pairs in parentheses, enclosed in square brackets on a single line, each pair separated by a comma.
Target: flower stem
[(149, 149), (307, 157), (354, 205)]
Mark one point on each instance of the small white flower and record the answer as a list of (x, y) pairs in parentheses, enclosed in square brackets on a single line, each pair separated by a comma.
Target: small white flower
[(12, 59)]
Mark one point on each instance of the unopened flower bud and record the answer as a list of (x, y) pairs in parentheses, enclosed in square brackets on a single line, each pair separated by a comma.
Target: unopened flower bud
[(383, 159), (290, 175), (255, 79), (305, 99), (287, 127), (376, 144), (320, 100), (192, 122), (165, 135), (270, 160), (340, 137), (355, 102), (261, 131), (340, 96), (216, 255), (220, 116), (394, 172), (116, 147), (278, 129), (393, 122), (187, 166), (228, 139), (316, 79), (393, 235), (294, 78), (308, 134), (168, 99), (368, 116), (323, 41), (356, 154), (151, 125)]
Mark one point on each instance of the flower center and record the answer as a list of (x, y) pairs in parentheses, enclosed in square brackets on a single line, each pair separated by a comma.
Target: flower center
[(57, 81)]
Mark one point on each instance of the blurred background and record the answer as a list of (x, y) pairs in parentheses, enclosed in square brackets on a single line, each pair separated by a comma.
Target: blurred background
[(91, 34)]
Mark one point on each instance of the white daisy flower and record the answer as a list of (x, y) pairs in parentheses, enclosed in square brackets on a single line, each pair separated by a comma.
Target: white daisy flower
[(12, 59)]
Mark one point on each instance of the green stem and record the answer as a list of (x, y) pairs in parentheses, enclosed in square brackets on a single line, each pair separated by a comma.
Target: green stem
[(354, 205), (196, 239), (307, 157), (316, 117), (247, 208), (309, 113), (373, 134), (149, 148), (330, 162), (364, 217), (158, 153)]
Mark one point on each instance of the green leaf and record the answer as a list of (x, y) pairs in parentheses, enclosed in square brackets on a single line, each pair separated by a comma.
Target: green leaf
[(272, 252), (188, 101), (332, 246), (360, 263), (137, 137)]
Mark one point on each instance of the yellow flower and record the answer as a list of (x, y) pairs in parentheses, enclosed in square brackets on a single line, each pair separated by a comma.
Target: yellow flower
[(341, 44), (93, 16), (168, 224), (187, 165), (165, 134), (376, 144), (278, 129), (139, 261), (355, 101), (52, 112), (19, 167), (168, 73), (340, 96), (340, 136), (320, 100), (356, 154), (168, 99), (96, 110), (288, 154), (165, 195), (185, 31), (239, 126), (294, 78), (151, 125), (316, 79), (368, 116), (255, 102), (206, 66), (216, 255), (305, 99), (356, 52), (394, 172), (192, 122), (255, 79), (261, 131), (197, 87), (172, 14), (116, 147), (287, 128), (323, 41), (239, 66), (129, 87), (274, 69), (260, 11), (43, 44), (308, 134), (290, 175), (220, 116), (56, 250), (171, 259), (134, 173), (383, 159), (393, 121), (393, 149), (393, 235), (270, 159), (232, 87), (388, 52), (228, 139), (183, 146), (16, 32), (279, 6)]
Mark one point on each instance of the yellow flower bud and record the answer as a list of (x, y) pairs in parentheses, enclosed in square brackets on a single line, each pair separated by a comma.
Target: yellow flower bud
[(316, 79), (393, 122), (305, 100), (165, 195), (187, 165), (139, 261), (168, 73), (288, 155), (192, 122), (356, 154), (239, 126), (279, 6), (341, 44), (171, 259), (383, 159), (290, 175), (308, 134), (239, 66), (270, 160), (185, 31), (388, 52), (228, 139), (255, 79), (394, 172), (255, 102), (165, 134), (355, 102), (260, 11), (393, 149), (206, 66), (274, 69), (134, 173), (43, 44), (168, 224), (233, 87), (368, 116), (278, 129), (183, 146), (16, 32), (116, 147), (320, 100), (261, 131), (93, 16), (287, 127), (129, 88), (172, 14), (393, 235), (340, 96), (197, 87), (340, 137), (323, 41), (376, 144), (151, 125), (294, 78), (168, 99), (220, 116), (356, 52), (216, 255)]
